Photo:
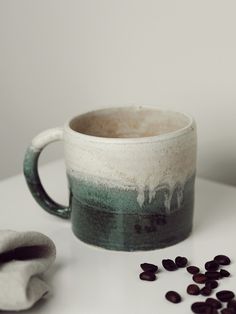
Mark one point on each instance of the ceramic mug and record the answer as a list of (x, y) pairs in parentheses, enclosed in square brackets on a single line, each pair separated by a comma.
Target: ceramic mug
[(131, 173)]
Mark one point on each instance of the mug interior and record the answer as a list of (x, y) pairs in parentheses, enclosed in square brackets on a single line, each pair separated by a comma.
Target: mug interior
[(129, 122)]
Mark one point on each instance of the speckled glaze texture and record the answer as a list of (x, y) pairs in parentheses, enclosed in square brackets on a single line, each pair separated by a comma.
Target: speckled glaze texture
[(125, 193)]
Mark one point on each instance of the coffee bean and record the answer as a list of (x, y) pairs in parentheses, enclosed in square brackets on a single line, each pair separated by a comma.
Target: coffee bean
[(149, 267), (173, 296), (168, 264), (212, 284), (148, 276), (181, 261), (214, 303), (228, 311), (193, 289), (222, 259), (211, 266), (232, 304), (201, 307), (212, 275), (225, 295), (224, 273), (199, 278), (205, 291), (193, 270)]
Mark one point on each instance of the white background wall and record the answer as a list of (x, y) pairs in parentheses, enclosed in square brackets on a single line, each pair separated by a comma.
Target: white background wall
[(61, 57)]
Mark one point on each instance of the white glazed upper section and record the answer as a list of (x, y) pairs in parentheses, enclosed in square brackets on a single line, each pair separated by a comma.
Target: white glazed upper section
[(139, 163), (132, 124)]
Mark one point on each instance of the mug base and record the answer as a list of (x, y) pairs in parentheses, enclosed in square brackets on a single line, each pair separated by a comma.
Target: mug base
[(140, 247)]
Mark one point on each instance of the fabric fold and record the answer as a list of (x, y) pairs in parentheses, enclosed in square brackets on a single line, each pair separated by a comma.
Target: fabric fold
[(24, 258)]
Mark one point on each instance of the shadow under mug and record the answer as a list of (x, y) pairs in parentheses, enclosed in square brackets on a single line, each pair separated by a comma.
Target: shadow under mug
[(131, 173)]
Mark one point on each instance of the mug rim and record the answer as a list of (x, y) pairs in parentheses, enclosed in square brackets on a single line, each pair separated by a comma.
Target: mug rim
[(130, 140)]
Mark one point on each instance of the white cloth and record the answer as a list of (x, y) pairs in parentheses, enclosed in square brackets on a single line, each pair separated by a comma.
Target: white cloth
[(24, 257)]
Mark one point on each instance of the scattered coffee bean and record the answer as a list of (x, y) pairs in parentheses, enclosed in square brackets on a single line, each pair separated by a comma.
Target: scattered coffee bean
[(222, 259), (201, 307), (211, 306), (148, 276), (181, 261), (224, 273), (232, 304), (225, 295), (212, 284), (228, 311), (199, 278), (168, 264), (212, 275), (214, 303), (193, 289), (193, 270), (149, 267), (211, 266), (173, 297), (205, 291)]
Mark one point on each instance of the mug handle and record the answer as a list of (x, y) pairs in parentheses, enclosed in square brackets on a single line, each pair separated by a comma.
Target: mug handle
[(32, 176)]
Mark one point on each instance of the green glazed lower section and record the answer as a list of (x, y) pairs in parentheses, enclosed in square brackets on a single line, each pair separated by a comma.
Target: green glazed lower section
[(112, 218)]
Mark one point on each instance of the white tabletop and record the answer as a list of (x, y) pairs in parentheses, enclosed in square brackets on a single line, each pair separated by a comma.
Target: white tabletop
[(89, 280)]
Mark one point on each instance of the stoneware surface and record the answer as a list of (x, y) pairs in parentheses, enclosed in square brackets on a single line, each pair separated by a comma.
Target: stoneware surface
[(90, 280), (125, 193)]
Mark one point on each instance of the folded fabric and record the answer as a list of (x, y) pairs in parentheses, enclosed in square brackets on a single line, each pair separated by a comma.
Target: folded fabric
[(24, 257)]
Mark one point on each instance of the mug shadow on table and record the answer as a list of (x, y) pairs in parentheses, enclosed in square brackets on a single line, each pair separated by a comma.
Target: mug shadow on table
[(212, 204)]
